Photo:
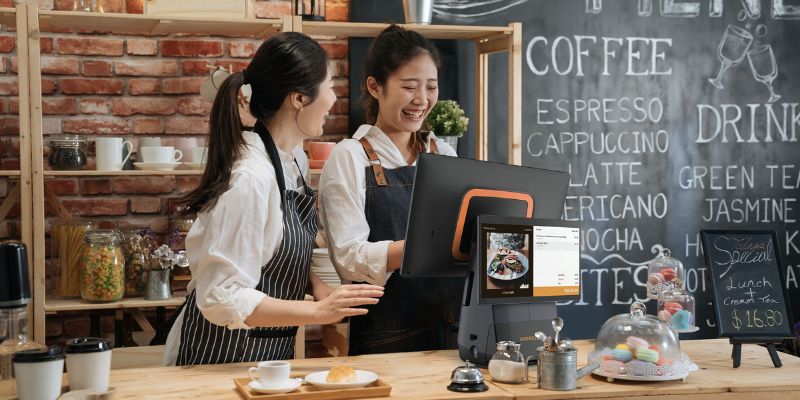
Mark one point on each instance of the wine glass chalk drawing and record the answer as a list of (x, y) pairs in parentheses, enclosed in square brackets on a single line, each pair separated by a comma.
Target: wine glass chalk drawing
[(765, 70), (731, 51)]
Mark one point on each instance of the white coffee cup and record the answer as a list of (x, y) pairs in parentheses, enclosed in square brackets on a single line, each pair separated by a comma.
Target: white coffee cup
[(150, 142), (198, 155), (270, 372), (109, 153), (88, 363), (160, 154), (38, 373)]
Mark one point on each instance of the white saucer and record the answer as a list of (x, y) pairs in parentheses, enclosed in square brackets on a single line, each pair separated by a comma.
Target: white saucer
[(167, 166), (285, 387), (195, 165), (363, 378)]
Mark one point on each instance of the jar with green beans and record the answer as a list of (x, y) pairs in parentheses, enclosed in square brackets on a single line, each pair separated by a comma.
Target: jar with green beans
[(103, 269)]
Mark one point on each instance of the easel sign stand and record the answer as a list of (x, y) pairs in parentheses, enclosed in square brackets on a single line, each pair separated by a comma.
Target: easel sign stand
[(749, 289), (736, 353)]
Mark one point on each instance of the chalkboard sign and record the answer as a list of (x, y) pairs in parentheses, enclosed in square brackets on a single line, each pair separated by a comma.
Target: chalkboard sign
[(665, 113), (745, 272)]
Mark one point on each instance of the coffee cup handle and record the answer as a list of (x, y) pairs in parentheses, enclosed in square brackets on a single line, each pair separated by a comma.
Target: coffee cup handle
[(130, 151), (177, 156), (250, 373)]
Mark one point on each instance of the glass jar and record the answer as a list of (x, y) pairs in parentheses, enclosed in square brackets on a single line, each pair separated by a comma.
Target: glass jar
[(676, 307), (66, 241), (638, 346), (507, 364), (664, 273), (137, 246), (67, 152), (103, 272)]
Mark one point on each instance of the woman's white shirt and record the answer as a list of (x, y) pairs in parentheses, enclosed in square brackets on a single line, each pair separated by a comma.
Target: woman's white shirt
[(342, 190), (228, 244)]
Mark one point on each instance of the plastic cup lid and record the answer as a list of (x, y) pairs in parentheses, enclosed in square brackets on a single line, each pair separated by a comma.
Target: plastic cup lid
[(86, 345), (51, 353)]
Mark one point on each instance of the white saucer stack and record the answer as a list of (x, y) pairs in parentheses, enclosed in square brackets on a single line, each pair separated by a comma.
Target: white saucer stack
[(322, 266)]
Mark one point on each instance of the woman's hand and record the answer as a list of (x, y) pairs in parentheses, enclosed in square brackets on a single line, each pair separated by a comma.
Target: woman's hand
[(343, 302), (321, 291)]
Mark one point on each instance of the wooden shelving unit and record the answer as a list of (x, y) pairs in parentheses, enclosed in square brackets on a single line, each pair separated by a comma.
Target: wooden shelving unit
[(487, 40), (56, 305), (123, 173), (8, 173), (29, 22), (149, 25)]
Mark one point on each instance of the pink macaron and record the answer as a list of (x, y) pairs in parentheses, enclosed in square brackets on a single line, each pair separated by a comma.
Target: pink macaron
[(636, 342), (672, 307), (656, 278), (669, 273)]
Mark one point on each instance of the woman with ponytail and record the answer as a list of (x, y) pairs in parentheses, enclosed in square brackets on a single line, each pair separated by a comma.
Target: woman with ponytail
[(365, 194), (250, 246)]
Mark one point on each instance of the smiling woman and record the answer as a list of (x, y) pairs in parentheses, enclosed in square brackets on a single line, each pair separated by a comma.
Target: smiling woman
[(365, 193)]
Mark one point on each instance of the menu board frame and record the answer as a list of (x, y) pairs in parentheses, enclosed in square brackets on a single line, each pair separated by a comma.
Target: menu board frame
[(707, 236)]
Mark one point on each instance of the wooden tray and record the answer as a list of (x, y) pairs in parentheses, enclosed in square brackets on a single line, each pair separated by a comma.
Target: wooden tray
[(310, 392)]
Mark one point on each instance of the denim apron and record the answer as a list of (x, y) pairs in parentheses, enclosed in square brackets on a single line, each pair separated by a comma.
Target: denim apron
[(285, 276), (414, 314)]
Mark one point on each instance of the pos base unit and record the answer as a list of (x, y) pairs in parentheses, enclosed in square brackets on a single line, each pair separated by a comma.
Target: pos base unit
[(481, 326)]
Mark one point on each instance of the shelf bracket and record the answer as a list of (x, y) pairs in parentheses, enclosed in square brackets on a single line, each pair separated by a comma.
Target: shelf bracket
[(10, 200)]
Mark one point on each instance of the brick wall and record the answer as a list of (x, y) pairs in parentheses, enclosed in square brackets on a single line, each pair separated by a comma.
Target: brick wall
[(131, 86)]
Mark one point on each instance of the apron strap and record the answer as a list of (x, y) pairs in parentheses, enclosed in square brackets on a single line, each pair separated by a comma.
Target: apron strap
[(377, 168), (272, 153)]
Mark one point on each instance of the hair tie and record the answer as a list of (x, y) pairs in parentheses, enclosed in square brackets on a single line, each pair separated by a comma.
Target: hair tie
[(246, 80)]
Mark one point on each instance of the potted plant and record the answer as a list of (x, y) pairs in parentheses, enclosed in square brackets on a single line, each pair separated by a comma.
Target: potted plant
[(447, 120)]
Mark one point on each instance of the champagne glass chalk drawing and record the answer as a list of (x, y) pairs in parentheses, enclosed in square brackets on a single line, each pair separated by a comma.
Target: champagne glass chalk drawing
[(731, 50), (765, 70)]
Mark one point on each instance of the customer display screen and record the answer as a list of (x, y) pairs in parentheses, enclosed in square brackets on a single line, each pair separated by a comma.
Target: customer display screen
[(529, 262)]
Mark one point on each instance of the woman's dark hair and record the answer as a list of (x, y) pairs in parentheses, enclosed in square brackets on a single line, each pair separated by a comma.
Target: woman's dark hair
[(288, 62), (393, 48)]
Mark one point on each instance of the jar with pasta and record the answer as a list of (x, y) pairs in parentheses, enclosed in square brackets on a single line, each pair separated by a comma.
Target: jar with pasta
[(66, 239), (103, 272), (137, 245)]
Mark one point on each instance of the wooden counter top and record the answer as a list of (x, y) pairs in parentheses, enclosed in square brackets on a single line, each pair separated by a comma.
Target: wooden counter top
[(425, 375)]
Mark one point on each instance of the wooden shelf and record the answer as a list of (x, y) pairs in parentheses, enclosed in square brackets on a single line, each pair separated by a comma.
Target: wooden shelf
[(151, 25), (362, 29), (55, 305), (123, 173), (8, 16), (9, 173)]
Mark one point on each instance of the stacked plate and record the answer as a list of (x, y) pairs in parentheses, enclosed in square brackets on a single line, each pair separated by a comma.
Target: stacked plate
[(322, 266)]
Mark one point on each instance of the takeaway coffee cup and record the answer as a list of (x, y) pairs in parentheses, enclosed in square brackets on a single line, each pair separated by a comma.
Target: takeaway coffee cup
[(160, 154), (88, 363), (270, 373), (38, 373)]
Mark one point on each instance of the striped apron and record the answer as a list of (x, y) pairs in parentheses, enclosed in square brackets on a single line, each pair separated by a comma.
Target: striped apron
[(285, 276)]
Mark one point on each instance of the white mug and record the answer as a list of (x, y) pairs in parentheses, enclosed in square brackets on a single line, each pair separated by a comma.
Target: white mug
[(198, 155), (109, 153), (160, 154), (270, 372), (150, 142)]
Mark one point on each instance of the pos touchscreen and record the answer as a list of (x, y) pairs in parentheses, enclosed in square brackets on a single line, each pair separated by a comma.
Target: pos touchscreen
[(525, 260)]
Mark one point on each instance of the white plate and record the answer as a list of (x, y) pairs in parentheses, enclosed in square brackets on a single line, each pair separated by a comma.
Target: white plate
[(168, 166), (286, 387), (364, 378), (513, 275), (195, 165)]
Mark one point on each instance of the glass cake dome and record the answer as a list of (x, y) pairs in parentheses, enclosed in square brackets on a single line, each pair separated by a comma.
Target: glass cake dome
[(637, 346)]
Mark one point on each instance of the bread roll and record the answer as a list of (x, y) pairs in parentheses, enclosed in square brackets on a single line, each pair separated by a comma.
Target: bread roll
[(341, 374)]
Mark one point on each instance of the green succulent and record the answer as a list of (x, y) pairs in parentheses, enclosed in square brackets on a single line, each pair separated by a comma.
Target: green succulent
[(447, 119)]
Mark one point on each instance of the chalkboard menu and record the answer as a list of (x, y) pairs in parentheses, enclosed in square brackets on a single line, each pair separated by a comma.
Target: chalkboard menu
[(672, 116), (745, 272)]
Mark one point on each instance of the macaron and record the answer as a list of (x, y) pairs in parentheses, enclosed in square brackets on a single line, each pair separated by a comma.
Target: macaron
[(681, 320), (639, 368), (648, 355), (668, 273), (636, 342), (672, 307), (622, 346), (655, 278), (664, 315), (622, 355)]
